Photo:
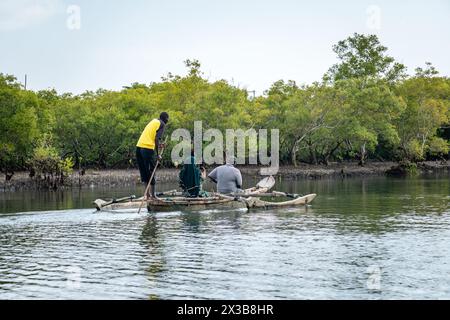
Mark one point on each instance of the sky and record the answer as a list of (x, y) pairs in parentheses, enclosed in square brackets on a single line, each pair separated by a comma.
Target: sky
[(74, 46)]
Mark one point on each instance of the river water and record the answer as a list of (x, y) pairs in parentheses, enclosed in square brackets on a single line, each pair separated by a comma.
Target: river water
[(372, 238)]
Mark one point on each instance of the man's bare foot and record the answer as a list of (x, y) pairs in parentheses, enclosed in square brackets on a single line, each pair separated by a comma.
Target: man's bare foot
[(152, 193), (149, 196)]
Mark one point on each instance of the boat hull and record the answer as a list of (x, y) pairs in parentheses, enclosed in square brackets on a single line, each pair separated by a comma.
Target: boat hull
[(194, 205)]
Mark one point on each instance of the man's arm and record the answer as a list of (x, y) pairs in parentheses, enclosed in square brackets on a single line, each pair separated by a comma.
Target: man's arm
[(238, 179), (213, 175), (159, 135), (203, 173)]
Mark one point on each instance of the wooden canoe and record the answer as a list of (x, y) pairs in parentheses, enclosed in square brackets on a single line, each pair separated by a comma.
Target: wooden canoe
[(180, 203), (224, 201)]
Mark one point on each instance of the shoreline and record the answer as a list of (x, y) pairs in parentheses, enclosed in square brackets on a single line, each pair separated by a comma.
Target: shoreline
[(111, 178)]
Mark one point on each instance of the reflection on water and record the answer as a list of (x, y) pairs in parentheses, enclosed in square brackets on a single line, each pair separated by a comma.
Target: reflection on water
[(374, 238)]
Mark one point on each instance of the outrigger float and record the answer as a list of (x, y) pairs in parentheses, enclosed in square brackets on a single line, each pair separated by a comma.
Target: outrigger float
[(173, 200)]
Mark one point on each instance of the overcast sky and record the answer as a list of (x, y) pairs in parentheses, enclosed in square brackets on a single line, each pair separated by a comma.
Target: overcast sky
[(249, 43)]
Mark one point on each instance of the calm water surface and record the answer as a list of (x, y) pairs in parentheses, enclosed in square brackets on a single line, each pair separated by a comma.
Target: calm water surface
[(375, 238)]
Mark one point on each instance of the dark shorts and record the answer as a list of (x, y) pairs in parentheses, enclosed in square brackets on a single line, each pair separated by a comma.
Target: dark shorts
[(146, 159)]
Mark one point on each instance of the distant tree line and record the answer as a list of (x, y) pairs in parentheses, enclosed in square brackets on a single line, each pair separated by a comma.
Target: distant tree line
[(365, 107)]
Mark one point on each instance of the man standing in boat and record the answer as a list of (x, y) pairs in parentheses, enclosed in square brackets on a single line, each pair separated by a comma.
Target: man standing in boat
[(227, 177), (147, 150)]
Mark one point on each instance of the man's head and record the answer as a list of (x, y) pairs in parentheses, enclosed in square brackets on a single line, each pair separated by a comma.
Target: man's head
[(164, 116), (230, 160)]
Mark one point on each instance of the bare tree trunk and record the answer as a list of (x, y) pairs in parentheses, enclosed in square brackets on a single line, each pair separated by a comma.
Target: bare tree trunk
[(422, 148), (330, 153), (311, 152), (294, 155), (363, 155), (8, 175)]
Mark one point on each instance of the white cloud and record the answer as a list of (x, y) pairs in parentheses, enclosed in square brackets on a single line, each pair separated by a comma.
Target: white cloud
[(19, 14)]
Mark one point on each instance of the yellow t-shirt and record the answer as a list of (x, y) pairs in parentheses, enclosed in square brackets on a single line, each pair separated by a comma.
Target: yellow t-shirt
[(148, 136)]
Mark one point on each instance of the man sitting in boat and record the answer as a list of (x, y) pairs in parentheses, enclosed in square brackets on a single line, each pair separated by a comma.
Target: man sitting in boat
[(147, 150), (192, 177), (227, 177)]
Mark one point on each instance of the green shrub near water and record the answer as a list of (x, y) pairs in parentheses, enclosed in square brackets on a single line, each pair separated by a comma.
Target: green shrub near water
[(366, 107), (47, 168)]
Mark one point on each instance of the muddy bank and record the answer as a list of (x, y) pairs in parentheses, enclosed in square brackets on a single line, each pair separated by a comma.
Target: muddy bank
[(115, 178)]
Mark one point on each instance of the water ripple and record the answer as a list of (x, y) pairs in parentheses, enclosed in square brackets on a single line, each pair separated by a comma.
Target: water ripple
[(329, 250)]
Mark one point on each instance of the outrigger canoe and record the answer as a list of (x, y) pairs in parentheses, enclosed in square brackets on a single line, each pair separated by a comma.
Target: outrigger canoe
[(297, 201), (173, 201)]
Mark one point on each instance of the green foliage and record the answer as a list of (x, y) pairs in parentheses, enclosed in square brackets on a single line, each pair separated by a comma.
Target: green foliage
[(96, 128), (363, 56), (413, 151), (429, 71), (438, 147), (364, 109), (48, 169), (18, 124), (408, 168), (427, 101)]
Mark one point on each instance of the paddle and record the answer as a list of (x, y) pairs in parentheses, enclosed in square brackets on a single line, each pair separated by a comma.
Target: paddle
[(120, 200), (289, 195), (169, 193), (166, 193), (269, 194), (99, 203), (151, 177)]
